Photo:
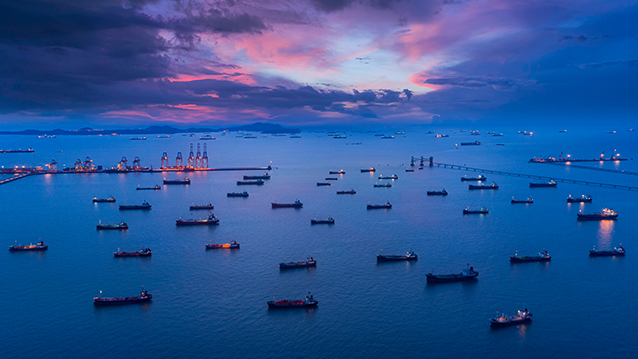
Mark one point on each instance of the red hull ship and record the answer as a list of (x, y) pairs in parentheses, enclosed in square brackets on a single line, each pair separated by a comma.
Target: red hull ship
[(231, 245)]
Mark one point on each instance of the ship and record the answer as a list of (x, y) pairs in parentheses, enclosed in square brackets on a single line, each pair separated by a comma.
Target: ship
[(331, 179), (386, 205), (504, 321), (330, 220), (497, 135), (475, 143), (410, 256), (309, 262), (541, 257), (409, 170), (388, 177), (371, 169), (40, 246), (210, 220), (257, 182), (474, 133), (441, 135), (146, 252), (483, 186), (620, 251), (387, 137), (323, 183), (352, 191), (144, 205), (527, 200), (185, 180), (237, 194), (437, 193), (476, 211), (605, 214), (383, 185), (138, 138), (467, 274), (155, 188), (296, 204), (585, 198), (231, 245), (264, 176), (102, 200), (308, 302), (142, 298), (121, 225), (208, 206), (551, 183), (479, 178), (30, 150), (206, 138), (340, 172)]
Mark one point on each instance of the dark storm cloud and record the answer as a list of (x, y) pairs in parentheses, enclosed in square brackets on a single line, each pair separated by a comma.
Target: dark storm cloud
[(472, 82)]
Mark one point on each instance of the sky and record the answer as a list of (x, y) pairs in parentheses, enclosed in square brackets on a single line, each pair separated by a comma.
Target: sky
[(112, 63)]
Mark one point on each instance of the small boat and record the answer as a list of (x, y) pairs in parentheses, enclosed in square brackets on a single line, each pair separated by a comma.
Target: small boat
[(527, 200), (121, 225), (620, 251), (264, 176), (479, 178), (352, 191), (231, 245), (142, 298), (138, 138), (163, 136), (371, 169), (483, 186), (309, 262), (40, 246), (541, 257), (409, 170), (605, 214), (467, 274), (156, 188), (236, 194), (585, 198), (330, 220), (441, 135), (308, 302), (437, 193), (185, 180), (340, 172), (295, 136), (297, 204), (476, 211), (505, 321), (323, 183), (383, 185), (146, 252), (331, 179), (386, 205), (257, 182), (410, 256), (102, 200), (206, 138), (498, 135), (144, 205), (210, 220), (208, 206), (475, 133), (388, 177), (475, 143), (551, 183), (387, 137)]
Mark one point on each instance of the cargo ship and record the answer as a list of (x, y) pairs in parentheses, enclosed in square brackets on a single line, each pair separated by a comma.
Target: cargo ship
[(331, 179), (410, 256), (323, 183), (208, 206), (102, 200), (475, 143), (340, 172), (541, 257), (483, 186), (30, 150), (386, 205), (437, 193), (330, 220), (144, 205), (551, 183), (264, 176), (476, 211), (605, 214), (231, 245), (155, 188), (257, 182), (237, 194), (146, 252), (352, 191), (142, 298), (210, 220), (40, 246), (527, 200), (383, 185), (371, 169), (505, 321), (467, 274), (585, 198), (185, 180), (206, 138), (308, 302), (620, 251), (479, 178), (121, 225), (296, 204), (388, 177), (309, 262)]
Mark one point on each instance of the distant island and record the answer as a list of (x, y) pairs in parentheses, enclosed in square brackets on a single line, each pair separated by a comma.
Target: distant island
[(86, 131)]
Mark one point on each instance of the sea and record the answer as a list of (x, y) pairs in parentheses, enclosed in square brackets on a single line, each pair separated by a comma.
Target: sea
[(213, 303)]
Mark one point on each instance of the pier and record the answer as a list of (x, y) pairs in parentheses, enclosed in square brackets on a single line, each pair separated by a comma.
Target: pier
[(15, 178), (623, 172)]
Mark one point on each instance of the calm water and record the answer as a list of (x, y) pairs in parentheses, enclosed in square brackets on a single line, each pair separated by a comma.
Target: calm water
[(213, 303)]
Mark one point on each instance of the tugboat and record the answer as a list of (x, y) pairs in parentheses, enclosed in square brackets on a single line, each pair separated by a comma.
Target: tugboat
[(231, 245), (437, 193), (620, 251), (264, 176), (185, 180), (410, 256), (527, 200), (156, 188), (505, 321), (551, 183), (352, 191), (146, 252), (467, 274), (476, 211), (309, 262), (330, 220), (386, 205), (144, 205), (585, 198), (383, 185), (323, 183), (40, 246), (308, 302), (211, 220), (235, 194), (484, 186), (371, 169), (541, 257), (257, 182), (102, 200), (340, 172), (208, 206), (388, 177), (142, 298), (605, 214), (297, 204), (479, 178), (121, 225)]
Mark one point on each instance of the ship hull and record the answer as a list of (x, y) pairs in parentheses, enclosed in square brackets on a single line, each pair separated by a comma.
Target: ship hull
[(496, 324), (20, 249), (593, 253), (395, 259), (594, 217), (273, 305), (283, 266), (514, 259), (126, 208), (101, 302), (447, 278)]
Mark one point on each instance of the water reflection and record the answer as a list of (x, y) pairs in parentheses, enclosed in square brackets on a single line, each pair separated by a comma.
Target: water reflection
[(605, 233)]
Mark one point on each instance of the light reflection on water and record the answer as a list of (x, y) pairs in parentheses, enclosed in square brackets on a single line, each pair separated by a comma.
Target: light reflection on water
[(605, 234)]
